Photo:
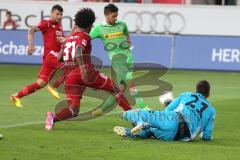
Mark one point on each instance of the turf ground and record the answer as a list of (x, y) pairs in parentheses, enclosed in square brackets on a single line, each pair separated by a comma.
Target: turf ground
[(26, 139)]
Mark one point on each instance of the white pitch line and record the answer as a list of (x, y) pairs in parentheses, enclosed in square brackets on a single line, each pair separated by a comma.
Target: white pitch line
[(21, 124), (40, 122)]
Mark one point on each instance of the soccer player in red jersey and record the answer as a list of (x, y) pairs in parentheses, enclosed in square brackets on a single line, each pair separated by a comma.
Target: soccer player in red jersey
[(52, 33), (80, 72)]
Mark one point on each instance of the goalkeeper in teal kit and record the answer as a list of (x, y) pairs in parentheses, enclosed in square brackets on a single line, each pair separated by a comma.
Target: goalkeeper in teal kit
[(186, 117), (115, 36)]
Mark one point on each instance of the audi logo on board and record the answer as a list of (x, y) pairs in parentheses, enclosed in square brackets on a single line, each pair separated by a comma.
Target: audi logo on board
[(154, 22)]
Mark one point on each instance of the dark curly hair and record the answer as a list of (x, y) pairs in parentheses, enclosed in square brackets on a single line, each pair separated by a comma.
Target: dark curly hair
[(84, 18)]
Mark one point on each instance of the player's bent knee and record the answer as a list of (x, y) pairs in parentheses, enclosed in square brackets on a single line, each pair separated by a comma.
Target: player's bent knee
[(74, 104)]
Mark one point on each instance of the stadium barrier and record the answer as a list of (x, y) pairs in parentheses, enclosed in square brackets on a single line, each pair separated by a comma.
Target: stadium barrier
[(173, 51), (207, 52)]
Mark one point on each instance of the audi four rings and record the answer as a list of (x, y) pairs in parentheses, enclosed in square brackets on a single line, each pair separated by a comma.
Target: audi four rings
[(154, 22)]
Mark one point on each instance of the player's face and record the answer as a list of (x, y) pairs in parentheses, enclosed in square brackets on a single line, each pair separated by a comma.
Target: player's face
[(111, 18), (56, 15), (8, 16)]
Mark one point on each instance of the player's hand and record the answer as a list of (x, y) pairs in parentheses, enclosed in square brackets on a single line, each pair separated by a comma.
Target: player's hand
[(30, 49), (129, 42), (61, 39)]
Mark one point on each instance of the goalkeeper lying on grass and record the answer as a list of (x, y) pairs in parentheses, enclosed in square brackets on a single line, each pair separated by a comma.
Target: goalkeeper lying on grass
[(183, 119)]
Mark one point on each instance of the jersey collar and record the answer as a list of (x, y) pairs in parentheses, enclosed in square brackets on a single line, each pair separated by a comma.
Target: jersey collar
[(106, 24)]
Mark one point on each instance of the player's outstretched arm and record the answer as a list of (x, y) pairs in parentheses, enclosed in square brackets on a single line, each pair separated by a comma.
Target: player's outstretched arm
[(30, 37), (207, 132), (128, 40), (174, 104), (79, 54), (126, 32)]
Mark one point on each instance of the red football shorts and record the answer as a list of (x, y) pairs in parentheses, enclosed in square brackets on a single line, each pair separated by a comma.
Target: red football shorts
[(75, 85), (49, 66)]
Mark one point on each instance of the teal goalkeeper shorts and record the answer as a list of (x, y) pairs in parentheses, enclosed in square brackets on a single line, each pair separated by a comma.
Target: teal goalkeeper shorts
[(122, 66)]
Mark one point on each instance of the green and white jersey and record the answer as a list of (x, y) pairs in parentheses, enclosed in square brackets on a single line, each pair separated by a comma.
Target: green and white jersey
[(114, 37)]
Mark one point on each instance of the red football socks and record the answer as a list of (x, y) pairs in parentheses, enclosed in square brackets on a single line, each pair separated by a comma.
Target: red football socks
[(58, 82), (62, 115), (28, 90), (122, 101)]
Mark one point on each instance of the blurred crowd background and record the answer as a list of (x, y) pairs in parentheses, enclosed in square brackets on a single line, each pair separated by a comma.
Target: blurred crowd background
[(200, 2)]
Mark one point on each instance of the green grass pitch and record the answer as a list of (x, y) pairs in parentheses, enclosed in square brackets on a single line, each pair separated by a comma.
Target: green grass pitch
[(26, 139)]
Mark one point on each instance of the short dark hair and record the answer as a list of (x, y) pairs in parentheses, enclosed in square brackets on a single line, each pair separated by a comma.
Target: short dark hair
[(84, 18), (57, 7), (203, 87), (110, 8)]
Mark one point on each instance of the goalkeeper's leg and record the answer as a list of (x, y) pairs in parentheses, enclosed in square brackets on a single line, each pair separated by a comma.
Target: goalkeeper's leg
[(144, 119)]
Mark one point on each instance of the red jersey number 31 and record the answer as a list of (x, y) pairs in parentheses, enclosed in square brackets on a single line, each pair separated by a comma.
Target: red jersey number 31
[(69, 47)]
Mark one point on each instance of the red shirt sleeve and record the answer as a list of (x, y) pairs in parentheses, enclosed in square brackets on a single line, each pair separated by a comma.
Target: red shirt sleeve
[(85, 42), (43, 25)]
